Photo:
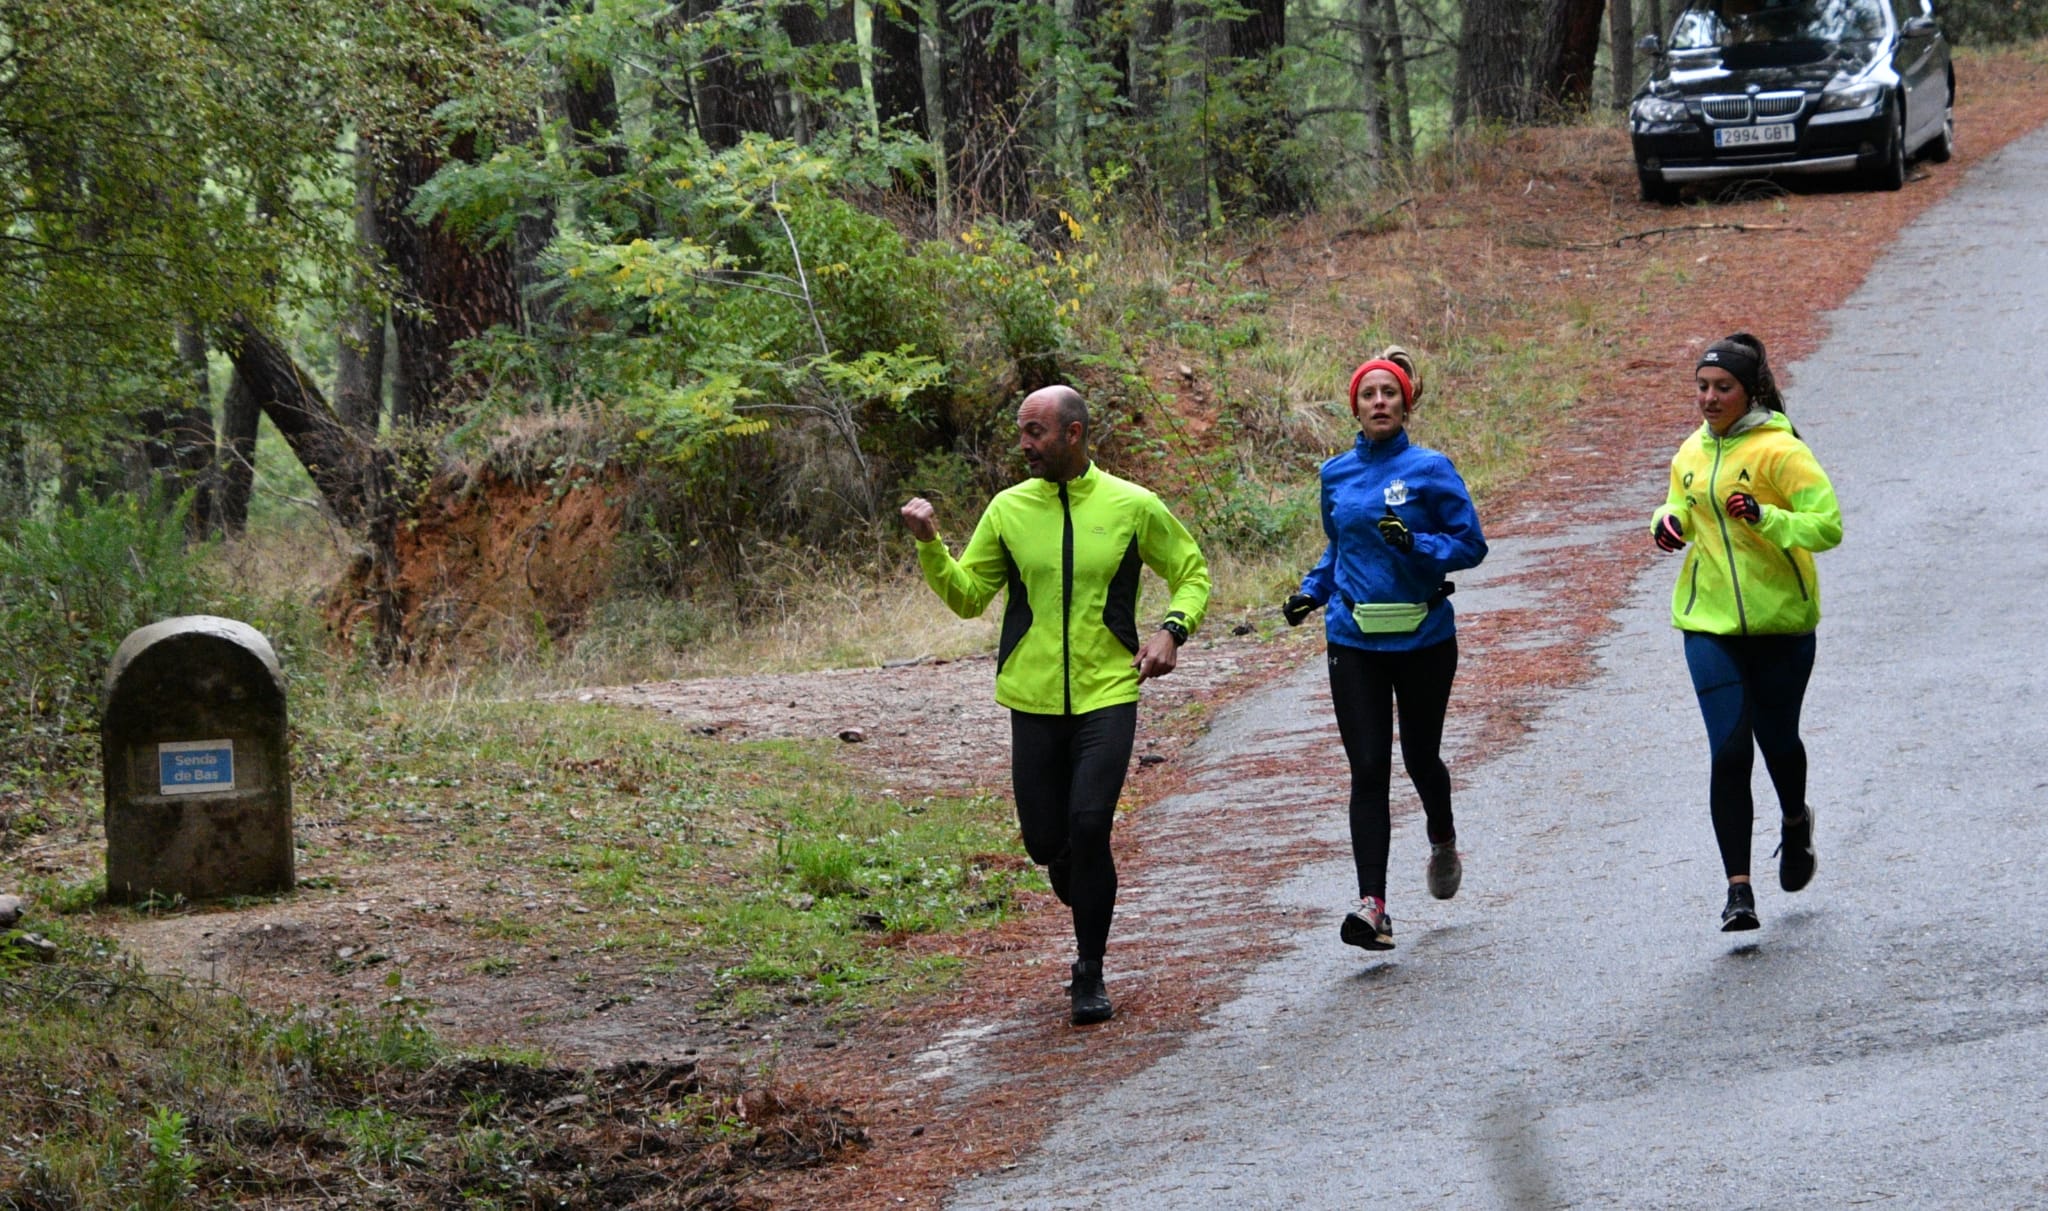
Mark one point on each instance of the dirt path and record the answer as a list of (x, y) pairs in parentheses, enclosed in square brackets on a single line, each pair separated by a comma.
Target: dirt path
[(932, 725)]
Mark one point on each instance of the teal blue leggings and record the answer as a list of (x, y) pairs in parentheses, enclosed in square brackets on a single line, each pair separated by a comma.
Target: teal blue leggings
[(1750, 689)]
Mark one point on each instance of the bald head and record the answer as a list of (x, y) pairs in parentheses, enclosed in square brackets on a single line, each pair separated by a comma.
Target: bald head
[(1072, 408), (1052, 431)]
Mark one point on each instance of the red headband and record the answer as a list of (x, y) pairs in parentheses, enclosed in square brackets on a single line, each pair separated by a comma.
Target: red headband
[(1400, 376)]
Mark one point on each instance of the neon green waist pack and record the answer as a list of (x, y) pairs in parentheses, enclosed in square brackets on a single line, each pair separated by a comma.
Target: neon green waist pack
[(1389, 617)]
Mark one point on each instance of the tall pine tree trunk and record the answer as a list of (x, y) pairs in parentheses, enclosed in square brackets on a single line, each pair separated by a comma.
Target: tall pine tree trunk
[(1253, 174), (359, 356), (1372, 68), (16, 488), (1490, 62), (810, 30), (1152, 30), (1399, 105), (1092, 23), (1201, 45), (1621, 50), (896, 67), (590, 101), (239, 416), (450, 289), (732, 94), (1068, 128), (1561, 70), (983, 109), (931, 60)]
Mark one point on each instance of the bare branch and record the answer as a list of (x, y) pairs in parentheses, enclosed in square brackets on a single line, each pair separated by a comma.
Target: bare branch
[(1365, 226), (1619, 240), (802, 279)]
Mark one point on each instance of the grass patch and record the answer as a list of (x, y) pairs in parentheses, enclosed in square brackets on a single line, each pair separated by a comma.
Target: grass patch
[(759, 874), (562, 828), (122, 1090)]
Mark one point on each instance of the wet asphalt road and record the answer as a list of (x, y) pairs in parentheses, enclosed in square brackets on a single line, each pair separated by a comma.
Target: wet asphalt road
[(1573, 1029)]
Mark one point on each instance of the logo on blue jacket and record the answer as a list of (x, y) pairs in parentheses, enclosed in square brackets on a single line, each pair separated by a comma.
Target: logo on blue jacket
[(1397, 493)]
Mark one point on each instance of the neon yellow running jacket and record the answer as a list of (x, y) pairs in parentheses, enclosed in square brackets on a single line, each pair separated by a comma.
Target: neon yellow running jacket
[(1069, 555), (1739, 578)]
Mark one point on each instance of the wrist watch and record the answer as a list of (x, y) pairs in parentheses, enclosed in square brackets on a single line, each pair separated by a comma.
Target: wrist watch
[(1173, 627)]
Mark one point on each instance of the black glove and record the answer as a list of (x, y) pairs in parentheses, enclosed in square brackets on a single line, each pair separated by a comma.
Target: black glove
[(1745, 506), (1397, 534), (1298, 607), (1667, 534)]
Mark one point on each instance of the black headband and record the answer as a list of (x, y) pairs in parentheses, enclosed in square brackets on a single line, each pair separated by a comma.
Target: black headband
[(1737, 359)]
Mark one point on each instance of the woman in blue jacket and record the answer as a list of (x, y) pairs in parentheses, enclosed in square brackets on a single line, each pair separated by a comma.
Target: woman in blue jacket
[(1398, 518)]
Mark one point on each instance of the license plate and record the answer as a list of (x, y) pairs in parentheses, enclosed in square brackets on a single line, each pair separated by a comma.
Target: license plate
[(1750, 136)]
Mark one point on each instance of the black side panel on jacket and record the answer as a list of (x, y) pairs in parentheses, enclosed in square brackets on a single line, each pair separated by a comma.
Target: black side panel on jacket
[(1016, 611), (1120, 606)]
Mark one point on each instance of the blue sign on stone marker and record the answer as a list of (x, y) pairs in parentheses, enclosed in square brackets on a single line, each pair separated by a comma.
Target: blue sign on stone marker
[(191, 767)]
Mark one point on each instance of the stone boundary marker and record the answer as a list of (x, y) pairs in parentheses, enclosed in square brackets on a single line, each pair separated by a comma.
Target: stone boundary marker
[(194, 751)]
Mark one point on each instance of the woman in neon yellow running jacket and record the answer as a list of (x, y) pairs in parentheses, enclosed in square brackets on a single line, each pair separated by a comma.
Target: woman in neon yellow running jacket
[(1750, 505)]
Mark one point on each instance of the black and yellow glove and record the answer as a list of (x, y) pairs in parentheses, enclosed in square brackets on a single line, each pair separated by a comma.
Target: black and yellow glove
[(1396, 533)]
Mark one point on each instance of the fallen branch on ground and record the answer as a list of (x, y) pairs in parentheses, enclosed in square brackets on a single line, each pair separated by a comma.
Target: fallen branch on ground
[(1366, 227), (1619, 240)]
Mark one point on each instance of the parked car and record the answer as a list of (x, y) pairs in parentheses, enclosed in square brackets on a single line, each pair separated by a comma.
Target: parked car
[(1767, 87)]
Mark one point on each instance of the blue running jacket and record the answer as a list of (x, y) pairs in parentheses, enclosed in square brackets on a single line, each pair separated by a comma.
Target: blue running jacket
[(1424, 490)]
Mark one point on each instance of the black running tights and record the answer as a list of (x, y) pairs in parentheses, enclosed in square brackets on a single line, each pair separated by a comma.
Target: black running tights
[(1067, 772), (1750, 689), (1368, 689)]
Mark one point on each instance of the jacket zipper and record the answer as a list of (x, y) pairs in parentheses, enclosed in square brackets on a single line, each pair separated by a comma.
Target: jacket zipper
[(1727, 539), (1066, 600)]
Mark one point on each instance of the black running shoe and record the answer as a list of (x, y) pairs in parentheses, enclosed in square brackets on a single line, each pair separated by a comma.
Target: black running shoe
[(1741, 911), (1368, 926), (1444, 871), (1795, 852), (1091, 999)]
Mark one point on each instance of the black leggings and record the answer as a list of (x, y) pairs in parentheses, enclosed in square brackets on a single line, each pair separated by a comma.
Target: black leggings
[(1750, 690), (1067, 772), (1367, 689)]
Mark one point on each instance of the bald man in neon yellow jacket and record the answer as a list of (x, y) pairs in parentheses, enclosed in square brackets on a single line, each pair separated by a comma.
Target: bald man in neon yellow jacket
[(1066, 546)]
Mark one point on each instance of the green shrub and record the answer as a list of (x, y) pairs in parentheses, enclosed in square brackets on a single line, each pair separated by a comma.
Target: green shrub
[(73, 584), (169, 1176), (1025, 297)]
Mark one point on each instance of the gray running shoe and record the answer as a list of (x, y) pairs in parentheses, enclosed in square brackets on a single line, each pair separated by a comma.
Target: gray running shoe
[(1368, 926), (1795, 852), (1445, 870)]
